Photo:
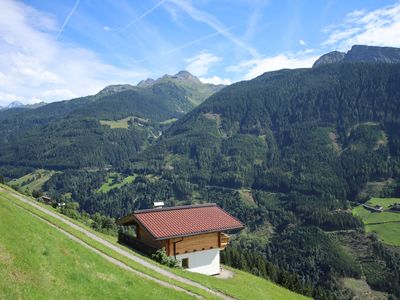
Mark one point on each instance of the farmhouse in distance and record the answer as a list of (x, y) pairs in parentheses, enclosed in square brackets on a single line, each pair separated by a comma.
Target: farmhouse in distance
[(193, 234)]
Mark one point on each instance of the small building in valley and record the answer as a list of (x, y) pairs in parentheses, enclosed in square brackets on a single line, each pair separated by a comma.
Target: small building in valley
[(45, 199), (376, 208), (193, 234)]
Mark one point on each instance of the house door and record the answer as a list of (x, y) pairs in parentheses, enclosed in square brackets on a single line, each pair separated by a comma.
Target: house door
[(185, 263)]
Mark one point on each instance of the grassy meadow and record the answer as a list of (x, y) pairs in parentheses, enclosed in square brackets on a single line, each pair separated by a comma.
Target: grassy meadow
[(114, 181), (385, 224), (118, 124), (33, 181), (39, 262)]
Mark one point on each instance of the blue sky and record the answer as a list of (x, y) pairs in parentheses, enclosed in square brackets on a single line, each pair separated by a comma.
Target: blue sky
[(55, 50)]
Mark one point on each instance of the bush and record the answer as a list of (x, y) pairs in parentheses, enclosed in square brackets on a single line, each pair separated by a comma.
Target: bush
[(162, 257), (37, 193)]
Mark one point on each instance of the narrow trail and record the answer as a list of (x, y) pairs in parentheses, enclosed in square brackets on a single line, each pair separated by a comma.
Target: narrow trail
[(120, 251)]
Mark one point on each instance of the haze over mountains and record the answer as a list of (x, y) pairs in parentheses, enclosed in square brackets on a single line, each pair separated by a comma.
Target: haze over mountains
[(288, 153)]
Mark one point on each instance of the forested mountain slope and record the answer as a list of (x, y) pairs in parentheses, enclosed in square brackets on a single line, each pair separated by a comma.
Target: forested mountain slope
[(71, 134), (323, 130), (288, 153)]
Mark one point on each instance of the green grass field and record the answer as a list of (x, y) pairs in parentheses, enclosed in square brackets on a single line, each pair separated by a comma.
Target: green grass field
[(169, 121), (115, 181), (39, 262), (385, 224), (252, 288), (244, 286), (118, 124), (33, 181)]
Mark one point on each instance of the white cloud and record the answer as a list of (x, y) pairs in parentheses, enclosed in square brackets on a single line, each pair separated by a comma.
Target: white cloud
[(255, 67), (215, 80), (200, 64), (303, 43), (6, 98), (58, 93), (380, 27), (35, 65)]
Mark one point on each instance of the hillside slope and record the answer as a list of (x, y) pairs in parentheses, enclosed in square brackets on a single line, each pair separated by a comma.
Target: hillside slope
[(38, 262), (238, 286), (265, 132)]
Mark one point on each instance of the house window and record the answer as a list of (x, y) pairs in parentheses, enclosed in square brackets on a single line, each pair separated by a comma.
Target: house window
[(185, 263)]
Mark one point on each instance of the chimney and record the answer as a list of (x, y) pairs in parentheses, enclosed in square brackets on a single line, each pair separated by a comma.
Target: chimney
[(159, 204)]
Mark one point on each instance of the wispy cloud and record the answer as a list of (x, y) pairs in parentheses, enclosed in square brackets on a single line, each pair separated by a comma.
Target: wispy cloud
[(214, 23), (30, 68), (140, 17), (199, 40), (380, 27), (200, 65), (67, 19)]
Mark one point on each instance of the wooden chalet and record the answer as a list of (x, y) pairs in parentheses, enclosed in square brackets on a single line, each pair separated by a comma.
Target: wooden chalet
[(193, 234)]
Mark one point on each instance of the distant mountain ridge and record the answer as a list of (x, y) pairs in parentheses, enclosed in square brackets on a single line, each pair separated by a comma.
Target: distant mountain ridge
[(182, 78), (18, 104), (51, 130), (361, 53), (14, 104)]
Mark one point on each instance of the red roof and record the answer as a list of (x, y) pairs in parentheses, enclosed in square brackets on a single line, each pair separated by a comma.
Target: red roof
[(165, 223)]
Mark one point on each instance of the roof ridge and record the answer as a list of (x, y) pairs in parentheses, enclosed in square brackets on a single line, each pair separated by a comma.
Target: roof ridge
[(174, 208)]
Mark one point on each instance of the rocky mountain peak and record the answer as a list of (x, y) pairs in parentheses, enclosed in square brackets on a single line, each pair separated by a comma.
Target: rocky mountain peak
[(361, 53)]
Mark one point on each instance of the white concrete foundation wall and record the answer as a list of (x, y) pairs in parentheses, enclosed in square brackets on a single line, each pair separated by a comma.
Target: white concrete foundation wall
[(204, 262)]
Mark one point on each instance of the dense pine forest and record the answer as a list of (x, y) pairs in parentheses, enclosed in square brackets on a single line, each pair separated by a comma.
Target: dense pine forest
[(289, 153)]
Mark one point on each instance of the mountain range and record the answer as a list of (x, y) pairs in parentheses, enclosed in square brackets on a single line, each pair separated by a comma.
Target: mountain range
[(17, 104), (288, 153), (361, 53), (44, 136)]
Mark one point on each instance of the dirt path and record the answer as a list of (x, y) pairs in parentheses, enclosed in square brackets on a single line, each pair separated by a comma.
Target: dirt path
[(120, 251)]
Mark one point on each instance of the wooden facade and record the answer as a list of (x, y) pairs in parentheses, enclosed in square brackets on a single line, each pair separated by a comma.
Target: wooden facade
[(193, 234), (145, 237), (187, 244)]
